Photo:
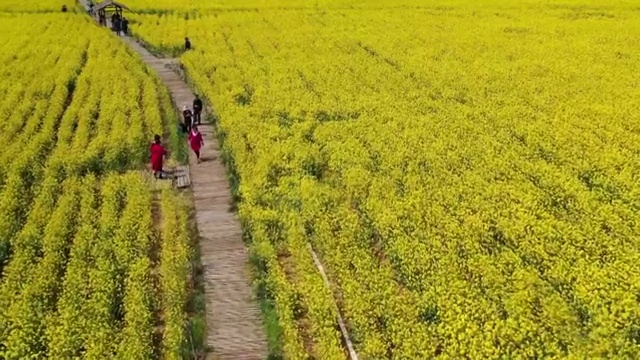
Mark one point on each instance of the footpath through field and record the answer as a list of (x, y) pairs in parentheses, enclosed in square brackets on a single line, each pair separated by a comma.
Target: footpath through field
[(234, 325)]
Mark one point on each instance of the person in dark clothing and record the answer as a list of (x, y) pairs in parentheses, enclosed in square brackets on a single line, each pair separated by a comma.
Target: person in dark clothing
[(64, 8), (197, 110), (115, 23), (102, 18), (187, 44), (188, 117), (125, 26), (117, 26)]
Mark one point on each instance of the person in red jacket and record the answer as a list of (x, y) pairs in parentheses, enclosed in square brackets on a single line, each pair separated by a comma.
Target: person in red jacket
[(195, 140), (157, 155)]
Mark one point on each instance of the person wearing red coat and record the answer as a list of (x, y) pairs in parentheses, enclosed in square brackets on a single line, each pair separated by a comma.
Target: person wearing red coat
[(157, 155), (195, 140)]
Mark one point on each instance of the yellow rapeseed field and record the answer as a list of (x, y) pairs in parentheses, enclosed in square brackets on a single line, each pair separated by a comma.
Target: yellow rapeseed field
[(467, 170), (36, 5), (85, 268)]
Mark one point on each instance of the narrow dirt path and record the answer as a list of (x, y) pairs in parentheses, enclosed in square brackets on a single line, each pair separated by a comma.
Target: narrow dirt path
[(234, 321)]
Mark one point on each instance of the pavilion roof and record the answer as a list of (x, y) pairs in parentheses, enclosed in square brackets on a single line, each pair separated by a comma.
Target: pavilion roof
[(109, 3)]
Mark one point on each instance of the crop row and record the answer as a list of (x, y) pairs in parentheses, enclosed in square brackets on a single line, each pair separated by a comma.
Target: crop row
[(83, 112)]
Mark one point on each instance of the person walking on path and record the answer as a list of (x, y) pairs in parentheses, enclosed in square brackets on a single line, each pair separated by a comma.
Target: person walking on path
[(188, 117), (117, 25), (125, 26), (187, 44), (196, 142), (157, 156), (197, 110)]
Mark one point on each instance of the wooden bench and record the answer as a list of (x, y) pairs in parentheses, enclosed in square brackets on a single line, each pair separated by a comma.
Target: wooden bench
[(181, 178)]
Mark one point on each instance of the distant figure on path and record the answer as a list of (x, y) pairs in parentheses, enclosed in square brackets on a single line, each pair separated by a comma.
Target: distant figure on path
[(187, 44), (157, 156), (64, 8), (117, 25), (102, 18), (195, 140), (197, 110), (188, 117), (125, 26)]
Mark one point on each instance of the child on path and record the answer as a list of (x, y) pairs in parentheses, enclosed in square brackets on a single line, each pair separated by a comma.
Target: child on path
[(188, 117), (157, 155), (196, 142)]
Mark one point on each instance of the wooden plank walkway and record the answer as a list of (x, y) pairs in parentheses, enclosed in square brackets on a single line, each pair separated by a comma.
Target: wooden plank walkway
[(234, 322), (234, 325)]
